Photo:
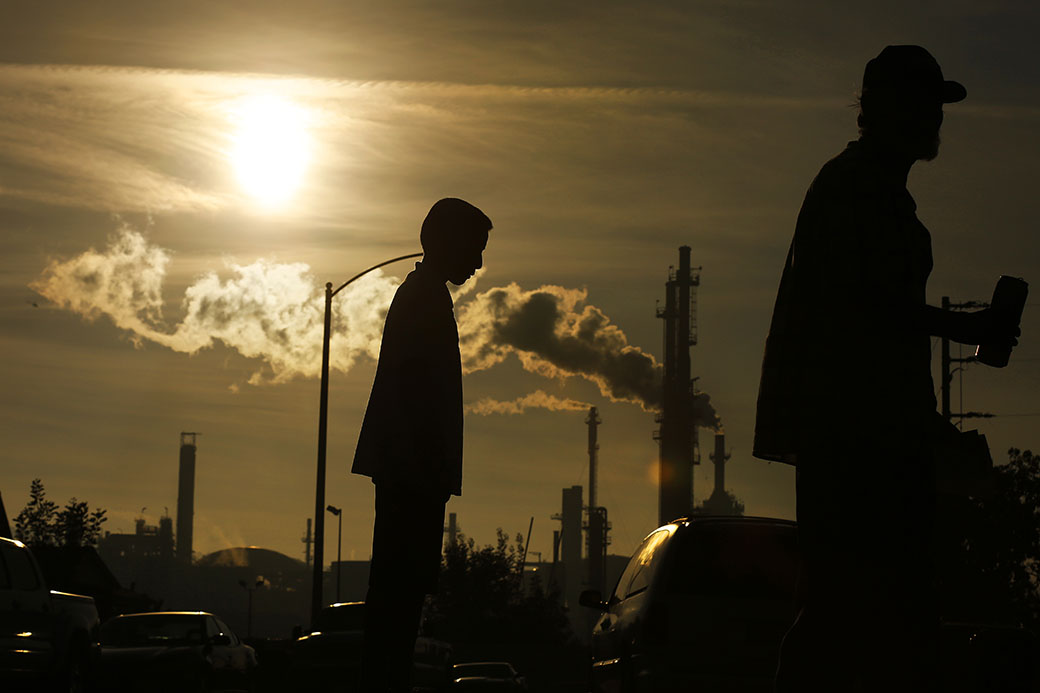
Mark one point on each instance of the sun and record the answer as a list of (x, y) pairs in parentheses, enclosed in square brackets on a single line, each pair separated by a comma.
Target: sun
[(270, 148)]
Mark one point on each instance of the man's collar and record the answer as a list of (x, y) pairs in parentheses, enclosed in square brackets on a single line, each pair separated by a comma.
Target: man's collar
[(426, 274), (889, 170)]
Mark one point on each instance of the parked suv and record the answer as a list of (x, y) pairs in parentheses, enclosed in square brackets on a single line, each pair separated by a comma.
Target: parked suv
[(46, 637), (702, 605)]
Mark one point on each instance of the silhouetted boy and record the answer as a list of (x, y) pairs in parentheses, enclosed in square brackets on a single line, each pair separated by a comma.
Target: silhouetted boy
[(847, 394), (411, 439)]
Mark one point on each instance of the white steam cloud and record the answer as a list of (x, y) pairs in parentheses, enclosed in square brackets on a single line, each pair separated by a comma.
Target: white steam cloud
[(536, 399), (273, 312), (266, 310)]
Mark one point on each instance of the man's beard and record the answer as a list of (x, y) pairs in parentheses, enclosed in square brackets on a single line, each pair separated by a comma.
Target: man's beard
[(930, 149)]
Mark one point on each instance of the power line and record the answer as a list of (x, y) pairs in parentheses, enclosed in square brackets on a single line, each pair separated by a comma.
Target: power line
[(1005, 416)]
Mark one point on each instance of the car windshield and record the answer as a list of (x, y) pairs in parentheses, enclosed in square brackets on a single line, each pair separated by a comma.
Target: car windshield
[(736, 560), (341, 617), (153, 629), (491, 670)]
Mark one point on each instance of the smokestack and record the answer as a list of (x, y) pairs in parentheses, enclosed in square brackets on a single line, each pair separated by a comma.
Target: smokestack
[(307, 540), (186, 497), (453, 529), (593, 422), (597, 524), (719, 458), (571, 540), (677, 434)]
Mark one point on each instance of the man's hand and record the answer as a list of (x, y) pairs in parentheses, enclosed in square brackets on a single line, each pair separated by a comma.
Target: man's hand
[(980, 327), (986, 327)]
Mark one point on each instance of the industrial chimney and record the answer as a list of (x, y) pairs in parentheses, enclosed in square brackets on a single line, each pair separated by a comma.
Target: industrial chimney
[(570, 538), (597, 527), (307, 540), (678, 433), (719, 458), (453, 529), (186, 497)]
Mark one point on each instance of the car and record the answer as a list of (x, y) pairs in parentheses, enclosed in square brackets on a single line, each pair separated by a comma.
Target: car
[(703, 604), (330, 655), (47, 638), (173, 651), (331, 652), (486, 676)]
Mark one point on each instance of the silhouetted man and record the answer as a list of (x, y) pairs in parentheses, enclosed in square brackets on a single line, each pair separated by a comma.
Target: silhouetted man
[(411, 439), (847, 394)]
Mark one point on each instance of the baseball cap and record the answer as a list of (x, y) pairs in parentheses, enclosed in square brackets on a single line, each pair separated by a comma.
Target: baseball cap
[(910, 71)]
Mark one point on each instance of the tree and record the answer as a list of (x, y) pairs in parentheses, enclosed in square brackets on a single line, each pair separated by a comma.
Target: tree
[(483, 610), (989, 547), (77, 525), (41, 523), (35, 524)]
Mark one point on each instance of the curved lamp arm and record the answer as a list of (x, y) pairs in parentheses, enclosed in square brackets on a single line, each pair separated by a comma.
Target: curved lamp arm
[(373, 267)]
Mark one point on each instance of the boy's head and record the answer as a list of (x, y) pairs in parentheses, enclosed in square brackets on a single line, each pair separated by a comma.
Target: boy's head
[(453, 237)]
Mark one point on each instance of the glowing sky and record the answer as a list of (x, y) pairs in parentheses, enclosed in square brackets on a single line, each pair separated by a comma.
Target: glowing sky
[(152, 284)]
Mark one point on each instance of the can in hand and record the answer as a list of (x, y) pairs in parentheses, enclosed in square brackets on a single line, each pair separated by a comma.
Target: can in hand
[(1009, 298)]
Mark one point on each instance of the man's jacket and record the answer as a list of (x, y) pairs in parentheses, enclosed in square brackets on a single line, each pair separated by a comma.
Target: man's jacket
[(846, 357), (412, 432)]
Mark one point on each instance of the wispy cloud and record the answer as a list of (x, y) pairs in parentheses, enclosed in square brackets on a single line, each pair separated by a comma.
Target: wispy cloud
[(134, 139)]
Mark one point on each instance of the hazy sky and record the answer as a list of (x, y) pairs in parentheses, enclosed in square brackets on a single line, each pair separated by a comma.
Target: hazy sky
[(148, 287)]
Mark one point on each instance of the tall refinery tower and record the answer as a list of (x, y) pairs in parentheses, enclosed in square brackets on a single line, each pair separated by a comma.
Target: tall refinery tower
[(186, 497), (677, 433)]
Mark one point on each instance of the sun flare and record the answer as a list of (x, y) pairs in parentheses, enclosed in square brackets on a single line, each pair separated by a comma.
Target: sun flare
[(270, 148)]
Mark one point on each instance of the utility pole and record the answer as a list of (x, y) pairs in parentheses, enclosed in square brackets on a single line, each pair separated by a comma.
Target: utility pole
[(946, 375)]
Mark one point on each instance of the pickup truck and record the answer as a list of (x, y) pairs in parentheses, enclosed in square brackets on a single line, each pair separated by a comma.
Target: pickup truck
[(47, 638)]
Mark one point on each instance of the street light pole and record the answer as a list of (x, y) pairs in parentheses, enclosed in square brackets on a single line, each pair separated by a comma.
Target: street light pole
[(323, 417)]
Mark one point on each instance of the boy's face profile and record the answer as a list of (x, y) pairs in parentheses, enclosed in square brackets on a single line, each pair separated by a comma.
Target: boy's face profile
[(466, 257)]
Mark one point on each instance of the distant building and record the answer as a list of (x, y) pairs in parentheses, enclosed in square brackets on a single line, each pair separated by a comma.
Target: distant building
[(136, 558)]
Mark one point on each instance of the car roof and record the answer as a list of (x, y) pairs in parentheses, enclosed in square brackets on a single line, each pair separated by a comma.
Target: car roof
[(693, 520), (145, 614), (685, 523)]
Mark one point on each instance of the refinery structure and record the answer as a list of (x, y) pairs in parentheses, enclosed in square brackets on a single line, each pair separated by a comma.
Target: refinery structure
[(161, 560), (677, 434), (678, 440)]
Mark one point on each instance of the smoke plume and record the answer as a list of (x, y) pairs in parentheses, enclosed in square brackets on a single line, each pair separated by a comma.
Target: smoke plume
[(536, 399), (554, 333), (268, 311), (273, 312)]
